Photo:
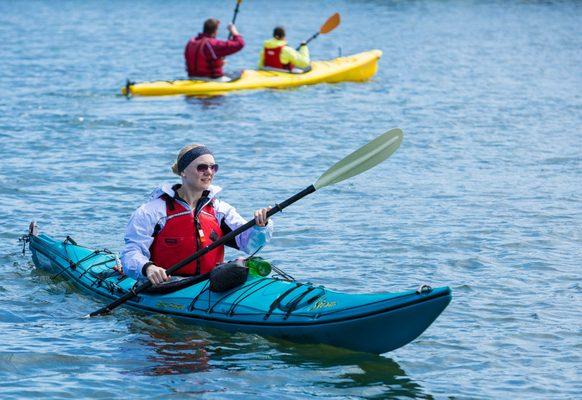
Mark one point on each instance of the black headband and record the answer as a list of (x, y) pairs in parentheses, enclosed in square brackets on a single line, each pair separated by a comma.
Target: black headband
[(190, 156)]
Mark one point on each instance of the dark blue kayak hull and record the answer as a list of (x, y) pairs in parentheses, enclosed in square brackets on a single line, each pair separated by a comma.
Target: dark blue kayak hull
[(375, 323)]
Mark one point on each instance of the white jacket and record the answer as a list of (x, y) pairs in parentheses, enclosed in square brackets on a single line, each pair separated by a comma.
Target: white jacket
[(140, 228)]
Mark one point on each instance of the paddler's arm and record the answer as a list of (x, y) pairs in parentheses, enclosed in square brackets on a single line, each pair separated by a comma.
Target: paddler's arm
[(262, 58), (135, 256), (299, 59), (223, 48)]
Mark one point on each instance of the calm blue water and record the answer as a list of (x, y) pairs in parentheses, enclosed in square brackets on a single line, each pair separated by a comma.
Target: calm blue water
[(484, 194)]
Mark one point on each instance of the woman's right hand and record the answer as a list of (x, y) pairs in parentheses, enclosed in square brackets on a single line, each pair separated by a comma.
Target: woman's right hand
[(156, 275)]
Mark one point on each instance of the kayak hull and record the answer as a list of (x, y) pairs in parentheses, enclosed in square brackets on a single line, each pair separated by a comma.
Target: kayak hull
[(377, 334), (303, 313), (356, 68)]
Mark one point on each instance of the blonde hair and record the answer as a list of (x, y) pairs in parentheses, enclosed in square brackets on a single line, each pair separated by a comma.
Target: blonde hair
[(183, 151)]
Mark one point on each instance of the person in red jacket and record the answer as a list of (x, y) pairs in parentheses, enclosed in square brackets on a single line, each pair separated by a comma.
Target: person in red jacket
[(276, 55), (205, 53)]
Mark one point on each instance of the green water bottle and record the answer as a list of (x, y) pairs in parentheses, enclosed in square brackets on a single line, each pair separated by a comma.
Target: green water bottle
[(258, 266)]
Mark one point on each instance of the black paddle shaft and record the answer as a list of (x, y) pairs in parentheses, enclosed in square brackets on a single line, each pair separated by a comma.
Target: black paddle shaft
[(308, 40), (235, 12), (134, 292), (234, 17)]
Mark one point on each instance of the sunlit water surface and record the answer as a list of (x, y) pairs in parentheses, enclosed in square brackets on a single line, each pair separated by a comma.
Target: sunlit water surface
[(484, 194)]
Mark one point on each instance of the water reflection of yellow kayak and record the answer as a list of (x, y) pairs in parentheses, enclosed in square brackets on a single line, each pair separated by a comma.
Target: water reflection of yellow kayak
[(356, 68)]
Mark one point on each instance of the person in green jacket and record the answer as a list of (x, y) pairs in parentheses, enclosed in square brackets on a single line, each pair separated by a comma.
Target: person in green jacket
[(276, 55)]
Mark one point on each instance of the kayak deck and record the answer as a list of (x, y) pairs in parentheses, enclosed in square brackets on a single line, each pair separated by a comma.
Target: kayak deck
[(356, 68), (299, 312)]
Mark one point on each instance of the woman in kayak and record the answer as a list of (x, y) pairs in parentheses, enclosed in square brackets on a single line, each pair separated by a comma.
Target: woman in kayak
[(178, 220), (276, 55)]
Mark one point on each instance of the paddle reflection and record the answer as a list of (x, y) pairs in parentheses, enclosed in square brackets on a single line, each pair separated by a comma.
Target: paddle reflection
[(186, 349)]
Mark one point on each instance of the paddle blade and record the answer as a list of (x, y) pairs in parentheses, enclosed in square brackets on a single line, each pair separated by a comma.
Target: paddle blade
[(331, 23), (363, 159)]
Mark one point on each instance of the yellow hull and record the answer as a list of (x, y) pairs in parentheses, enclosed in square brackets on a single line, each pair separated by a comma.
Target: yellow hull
[(357, 68)]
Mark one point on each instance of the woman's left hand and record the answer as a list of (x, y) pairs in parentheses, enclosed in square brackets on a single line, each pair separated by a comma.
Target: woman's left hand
[(261, 216)]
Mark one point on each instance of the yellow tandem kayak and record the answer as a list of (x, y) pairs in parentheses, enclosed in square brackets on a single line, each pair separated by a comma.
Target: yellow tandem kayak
[(356, 68)]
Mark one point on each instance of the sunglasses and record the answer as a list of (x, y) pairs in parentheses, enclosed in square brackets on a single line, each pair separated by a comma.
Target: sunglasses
[(204, 167)]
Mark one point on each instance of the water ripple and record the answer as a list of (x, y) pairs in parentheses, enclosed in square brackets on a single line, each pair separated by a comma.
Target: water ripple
[(483, 195)]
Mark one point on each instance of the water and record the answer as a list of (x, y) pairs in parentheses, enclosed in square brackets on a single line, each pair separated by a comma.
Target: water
[(484, 194)]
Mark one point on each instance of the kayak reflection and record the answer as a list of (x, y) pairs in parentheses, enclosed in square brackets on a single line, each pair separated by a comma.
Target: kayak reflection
[(174, 351), (206, 102), (178, 349)]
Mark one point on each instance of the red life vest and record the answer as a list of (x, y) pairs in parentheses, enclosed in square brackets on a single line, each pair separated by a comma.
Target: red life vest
[(183, 234), (201, 59), (272, 58)]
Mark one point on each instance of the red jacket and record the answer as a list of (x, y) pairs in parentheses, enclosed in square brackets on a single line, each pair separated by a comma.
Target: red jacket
[(205, 55), (272, 58), (185, 233)]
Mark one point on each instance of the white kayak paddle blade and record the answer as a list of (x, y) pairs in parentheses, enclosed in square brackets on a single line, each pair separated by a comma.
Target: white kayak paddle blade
[(363, 159)]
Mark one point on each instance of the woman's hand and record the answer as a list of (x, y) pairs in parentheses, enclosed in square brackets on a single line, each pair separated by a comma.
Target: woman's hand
[(156, 275), (261, 216)]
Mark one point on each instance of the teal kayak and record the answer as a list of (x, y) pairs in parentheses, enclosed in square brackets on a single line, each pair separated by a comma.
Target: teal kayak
[(268, 306)]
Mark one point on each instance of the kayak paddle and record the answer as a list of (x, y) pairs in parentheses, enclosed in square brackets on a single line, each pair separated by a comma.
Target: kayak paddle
[(329, 25), (234, 16), (361, 160), (236, 11)]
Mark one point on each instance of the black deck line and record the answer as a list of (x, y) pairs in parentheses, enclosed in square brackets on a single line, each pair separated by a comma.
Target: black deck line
[(314, 322)]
